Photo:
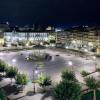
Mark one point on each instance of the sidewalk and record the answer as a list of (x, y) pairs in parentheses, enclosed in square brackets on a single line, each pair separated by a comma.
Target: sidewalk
[(27, 93)]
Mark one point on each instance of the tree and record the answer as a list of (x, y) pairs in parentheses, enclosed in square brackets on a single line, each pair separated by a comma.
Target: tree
[(68, 75), (3, 95), (11, 72), (93, 84), (67, 90), (84, 73), (21, 79), (44, 81), (3, 66)]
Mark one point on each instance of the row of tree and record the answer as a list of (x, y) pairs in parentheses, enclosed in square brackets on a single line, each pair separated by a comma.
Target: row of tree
[(22, 79), (70, 89), (11, 72)]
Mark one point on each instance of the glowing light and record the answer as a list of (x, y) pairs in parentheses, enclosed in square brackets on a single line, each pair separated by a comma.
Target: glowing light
[(41, 43), (66, 47), (9, 45), (36, 71), (1, 54), (13, 60), (94, 57), (70, 63), (85, 50), (27, 44), (73, 41), (90, 44)]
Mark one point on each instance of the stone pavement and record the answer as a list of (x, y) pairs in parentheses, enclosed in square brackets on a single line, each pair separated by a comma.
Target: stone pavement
[(36, 97), (27, 93)]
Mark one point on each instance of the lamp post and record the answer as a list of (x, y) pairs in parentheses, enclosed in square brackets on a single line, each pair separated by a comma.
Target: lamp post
[(35, 72), (70, 63), (94, 59), (85, 50)]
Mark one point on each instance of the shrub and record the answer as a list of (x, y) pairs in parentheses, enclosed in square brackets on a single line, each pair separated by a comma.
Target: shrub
[(21, 79), (3, 95), (44, 81), (66, 90), (68, 75), (84, 73), (11, 72), (3, 66)]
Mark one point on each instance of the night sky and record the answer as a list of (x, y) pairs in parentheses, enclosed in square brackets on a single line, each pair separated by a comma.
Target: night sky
[(53, 12)]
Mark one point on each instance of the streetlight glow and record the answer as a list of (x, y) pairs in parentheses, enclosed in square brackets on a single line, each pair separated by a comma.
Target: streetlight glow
[(13, 60), (1, 54), (36, 71), (74, 41), (66, 47), (94, 57), (90, 44), (27, 44), (70, 63), (85, 50)]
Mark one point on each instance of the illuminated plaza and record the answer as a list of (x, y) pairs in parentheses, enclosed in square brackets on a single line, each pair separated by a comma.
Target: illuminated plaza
[(50, 50)]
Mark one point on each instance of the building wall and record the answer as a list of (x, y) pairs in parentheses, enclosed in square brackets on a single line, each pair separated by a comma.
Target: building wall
[(25, 36), (38, 36), (89, 39)]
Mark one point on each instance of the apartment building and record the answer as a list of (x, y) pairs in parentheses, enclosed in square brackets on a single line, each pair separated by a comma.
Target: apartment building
[(87, 39)]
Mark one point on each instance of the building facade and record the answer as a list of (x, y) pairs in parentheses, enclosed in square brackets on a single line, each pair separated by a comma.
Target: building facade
[(18, 36), (80, 39)]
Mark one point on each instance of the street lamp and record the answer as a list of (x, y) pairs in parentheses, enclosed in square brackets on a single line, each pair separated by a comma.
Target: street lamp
[(35, 72), (27, 44), (66, 47), (94, 59), (1, 54), (70, 63), (85, 50), (13, 61)]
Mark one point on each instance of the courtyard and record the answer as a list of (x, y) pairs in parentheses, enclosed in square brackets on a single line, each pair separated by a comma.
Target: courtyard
[(53, 67)]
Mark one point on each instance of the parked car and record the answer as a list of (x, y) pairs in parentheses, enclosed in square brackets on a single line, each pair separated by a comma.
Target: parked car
[(28, 58), (57, 55)]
